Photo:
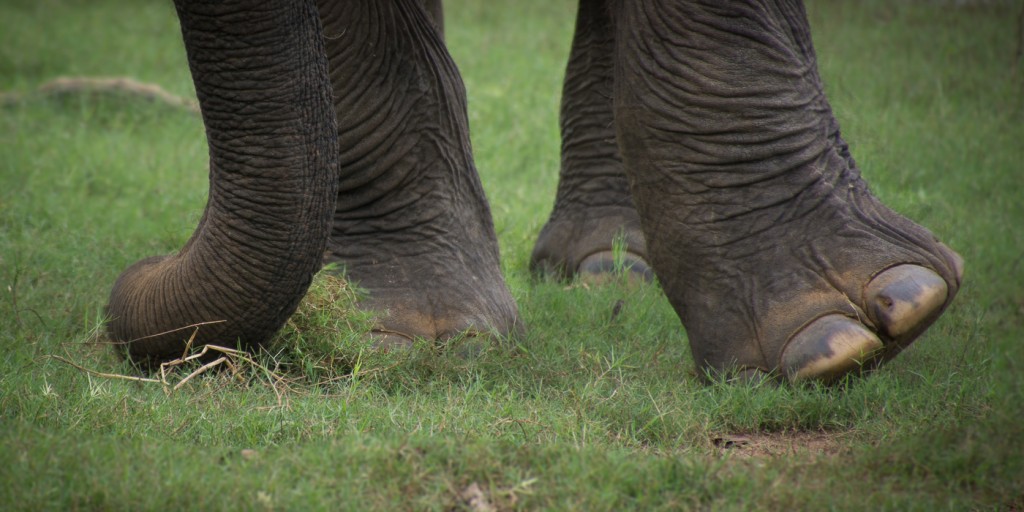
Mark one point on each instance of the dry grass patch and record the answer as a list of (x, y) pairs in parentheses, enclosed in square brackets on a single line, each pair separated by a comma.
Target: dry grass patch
[(760, 445), (118, 86), (320, 344)]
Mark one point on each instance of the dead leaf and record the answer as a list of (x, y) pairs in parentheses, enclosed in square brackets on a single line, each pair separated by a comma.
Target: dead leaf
[(475, 499)]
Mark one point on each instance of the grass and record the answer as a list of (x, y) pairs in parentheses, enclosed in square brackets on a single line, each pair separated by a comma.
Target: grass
[(592, 410)]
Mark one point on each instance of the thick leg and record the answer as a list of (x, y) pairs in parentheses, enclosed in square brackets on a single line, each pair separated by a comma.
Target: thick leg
[(766, 239), (435, 8), (593, 205), (412, 225), (261, 76)]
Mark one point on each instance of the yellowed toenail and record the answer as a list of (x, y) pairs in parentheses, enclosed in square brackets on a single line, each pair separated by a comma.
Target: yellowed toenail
[(829, 348), (904, 299)]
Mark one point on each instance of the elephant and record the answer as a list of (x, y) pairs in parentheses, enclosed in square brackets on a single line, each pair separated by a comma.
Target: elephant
[(698, 132)]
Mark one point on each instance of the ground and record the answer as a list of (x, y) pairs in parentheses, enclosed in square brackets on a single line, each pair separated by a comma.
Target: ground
[(598, 406)]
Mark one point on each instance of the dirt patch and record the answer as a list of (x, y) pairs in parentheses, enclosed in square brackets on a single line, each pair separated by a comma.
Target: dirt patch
[(780, 444)]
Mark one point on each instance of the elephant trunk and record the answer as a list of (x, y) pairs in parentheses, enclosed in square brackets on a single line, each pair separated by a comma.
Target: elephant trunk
[(260, 73)]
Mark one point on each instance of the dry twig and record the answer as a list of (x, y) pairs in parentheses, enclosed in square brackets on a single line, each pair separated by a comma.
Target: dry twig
[(228, 357), (105, 375)]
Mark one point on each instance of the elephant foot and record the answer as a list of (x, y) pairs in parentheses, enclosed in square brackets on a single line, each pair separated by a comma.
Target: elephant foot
[(412, 226), (432, 294), (805, 294), (436, 308), (819, 309), (594, 244), (768, 243), (900, 304)]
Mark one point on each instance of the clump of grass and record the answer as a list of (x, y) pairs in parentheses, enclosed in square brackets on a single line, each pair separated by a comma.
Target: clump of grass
[(327, 341), (325, 347), (327, 338)]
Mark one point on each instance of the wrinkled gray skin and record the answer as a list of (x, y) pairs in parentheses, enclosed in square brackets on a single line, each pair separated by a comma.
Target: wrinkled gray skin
[(260, 74), (698, 134)]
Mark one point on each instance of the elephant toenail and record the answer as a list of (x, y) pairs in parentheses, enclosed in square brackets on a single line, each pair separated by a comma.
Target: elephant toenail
[(904, 300), (388, 341), (828, 348), (595, 267)]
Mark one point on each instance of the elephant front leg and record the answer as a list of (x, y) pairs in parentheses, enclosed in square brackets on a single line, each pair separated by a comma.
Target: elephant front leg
[(769, 244), (593, 209), (412, 226)]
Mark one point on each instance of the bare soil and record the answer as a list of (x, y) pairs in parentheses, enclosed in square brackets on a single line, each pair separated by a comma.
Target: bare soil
[(778, 444)]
